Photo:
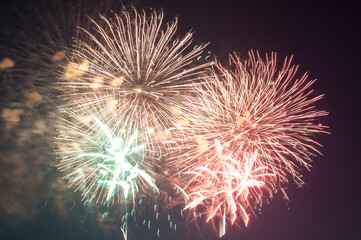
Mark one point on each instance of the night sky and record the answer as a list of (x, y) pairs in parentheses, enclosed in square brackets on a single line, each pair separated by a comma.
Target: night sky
[(324, 40)]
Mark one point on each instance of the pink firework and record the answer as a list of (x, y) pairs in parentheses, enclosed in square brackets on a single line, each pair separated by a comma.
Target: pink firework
[(250, 132)]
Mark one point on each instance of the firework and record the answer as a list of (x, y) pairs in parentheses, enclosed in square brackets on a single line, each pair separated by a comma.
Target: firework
[(250, 132), (138, 67), (106, 161)]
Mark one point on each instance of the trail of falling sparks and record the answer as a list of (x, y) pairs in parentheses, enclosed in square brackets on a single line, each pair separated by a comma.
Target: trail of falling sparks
[(250, 131)]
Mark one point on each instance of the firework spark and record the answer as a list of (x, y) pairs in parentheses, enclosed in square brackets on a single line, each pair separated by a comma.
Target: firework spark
[(138, 67), (250, 132), (105, 161)]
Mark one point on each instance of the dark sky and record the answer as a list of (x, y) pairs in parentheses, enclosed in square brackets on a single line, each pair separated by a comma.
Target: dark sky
[(323, 38)]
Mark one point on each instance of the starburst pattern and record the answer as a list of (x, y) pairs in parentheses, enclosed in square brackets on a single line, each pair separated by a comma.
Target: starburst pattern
[(139, 67), (107, 162), (250, 130)]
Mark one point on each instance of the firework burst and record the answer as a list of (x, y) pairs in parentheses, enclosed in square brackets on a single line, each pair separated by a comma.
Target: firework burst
[(250, 131), (137, 66), (106, 161)]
